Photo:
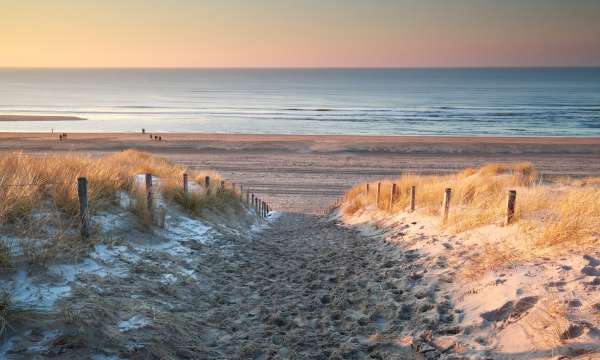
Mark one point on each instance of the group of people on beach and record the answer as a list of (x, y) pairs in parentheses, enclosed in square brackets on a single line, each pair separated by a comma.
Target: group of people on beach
[(63, 136), (152, 137)]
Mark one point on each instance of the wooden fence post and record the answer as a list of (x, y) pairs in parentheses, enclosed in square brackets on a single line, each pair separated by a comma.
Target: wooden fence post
[(82, 190), (447, 197), (264, 208), (378, 194), (149, 192), (185, 183), (207, 184), (413, 196), (392, 194), (222, 185), (241, 191), (247, 198), (367, 189), (510, 211)]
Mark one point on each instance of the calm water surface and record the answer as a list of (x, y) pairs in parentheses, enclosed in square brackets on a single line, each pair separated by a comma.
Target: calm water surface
[(559, 102)]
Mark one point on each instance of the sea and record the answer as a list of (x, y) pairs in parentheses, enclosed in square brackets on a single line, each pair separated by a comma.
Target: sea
[(455, 102)]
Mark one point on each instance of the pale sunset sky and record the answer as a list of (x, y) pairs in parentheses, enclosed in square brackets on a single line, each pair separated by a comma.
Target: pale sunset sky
[(299, 33)]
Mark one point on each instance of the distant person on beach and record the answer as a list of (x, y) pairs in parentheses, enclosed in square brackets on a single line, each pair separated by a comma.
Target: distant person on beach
[(160, 138), (143, 131), (60, 137)]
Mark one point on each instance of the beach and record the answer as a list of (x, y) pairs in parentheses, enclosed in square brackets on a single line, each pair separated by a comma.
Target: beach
[(306, 173), (39, 118)]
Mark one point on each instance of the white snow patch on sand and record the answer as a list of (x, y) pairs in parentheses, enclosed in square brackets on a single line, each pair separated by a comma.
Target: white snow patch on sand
[(108, 255), (183, 228), (168, 279), (110, 222), (136, 322), (24, 291)]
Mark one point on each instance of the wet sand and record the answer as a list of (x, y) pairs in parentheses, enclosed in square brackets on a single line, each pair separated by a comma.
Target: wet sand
[(39, 118), (305, 173)]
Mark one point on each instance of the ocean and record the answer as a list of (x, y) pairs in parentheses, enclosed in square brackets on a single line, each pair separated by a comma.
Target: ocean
[(507, 102)]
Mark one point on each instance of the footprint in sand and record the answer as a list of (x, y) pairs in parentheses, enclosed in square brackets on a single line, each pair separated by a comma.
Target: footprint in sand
[(511, 310), (573, 331), (591, 260), (590, 271)]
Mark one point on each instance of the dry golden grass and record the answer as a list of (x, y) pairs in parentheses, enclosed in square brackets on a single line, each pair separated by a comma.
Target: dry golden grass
[(552, 215), (30, 182), (39, 202), (27, 181)]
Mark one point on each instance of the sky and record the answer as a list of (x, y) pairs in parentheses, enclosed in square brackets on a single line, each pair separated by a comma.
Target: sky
[(299, 33)]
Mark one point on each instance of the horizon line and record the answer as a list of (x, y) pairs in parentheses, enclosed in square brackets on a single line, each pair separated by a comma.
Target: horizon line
[(292, 67)]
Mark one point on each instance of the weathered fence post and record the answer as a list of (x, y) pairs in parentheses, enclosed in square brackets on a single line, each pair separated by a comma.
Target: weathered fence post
[(222, 185), (264, 208), (149, 194), (82, 191), (413, 196), (185, 183), (207, 184), (367, 189), (241, 191), (252, 200), (510, 211), (392, 194), (378, 194), (247, 198), (447, 197)]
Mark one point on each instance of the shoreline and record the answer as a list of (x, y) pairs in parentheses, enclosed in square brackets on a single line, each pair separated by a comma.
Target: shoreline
[(295, 137), (21, 118)]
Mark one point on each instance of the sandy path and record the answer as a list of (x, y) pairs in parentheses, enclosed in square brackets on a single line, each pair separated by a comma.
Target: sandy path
[(303, 287), (307, 288)]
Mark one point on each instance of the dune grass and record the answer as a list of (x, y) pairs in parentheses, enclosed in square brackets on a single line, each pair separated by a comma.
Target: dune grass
[(39, 205), (30, 182), (548, 215), (39, 202)]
